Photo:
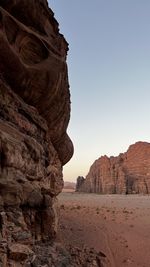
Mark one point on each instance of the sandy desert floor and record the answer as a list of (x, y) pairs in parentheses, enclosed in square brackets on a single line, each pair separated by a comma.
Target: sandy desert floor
[(117, 225)]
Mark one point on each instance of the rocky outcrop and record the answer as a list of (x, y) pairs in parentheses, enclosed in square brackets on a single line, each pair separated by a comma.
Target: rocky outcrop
[(79, 183), (34, 145), (126, 174)]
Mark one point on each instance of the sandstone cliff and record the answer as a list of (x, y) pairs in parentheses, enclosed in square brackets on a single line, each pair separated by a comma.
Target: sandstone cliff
[(34, 114), (126, 174), (34, 145)]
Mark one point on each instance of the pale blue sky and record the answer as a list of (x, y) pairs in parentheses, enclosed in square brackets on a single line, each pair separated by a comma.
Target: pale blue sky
[(109, 75)]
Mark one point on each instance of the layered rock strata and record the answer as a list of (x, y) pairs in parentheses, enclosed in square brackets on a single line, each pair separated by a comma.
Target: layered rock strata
[(34, 145), (128, 173)]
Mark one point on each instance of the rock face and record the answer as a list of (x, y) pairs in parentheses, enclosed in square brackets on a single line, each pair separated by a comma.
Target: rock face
[(34, 114), (33, 63), (126, 174)]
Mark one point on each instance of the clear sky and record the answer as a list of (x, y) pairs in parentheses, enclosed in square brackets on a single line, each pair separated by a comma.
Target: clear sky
[(109, 75)]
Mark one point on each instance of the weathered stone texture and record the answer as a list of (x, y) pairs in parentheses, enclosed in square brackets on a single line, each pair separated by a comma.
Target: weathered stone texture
[(33, 62), (34, 114), (126, 174)]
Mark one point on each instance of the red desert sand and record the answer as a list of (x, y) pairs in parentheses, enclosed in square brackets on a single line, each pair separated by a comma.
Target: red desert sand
[(117, 225)]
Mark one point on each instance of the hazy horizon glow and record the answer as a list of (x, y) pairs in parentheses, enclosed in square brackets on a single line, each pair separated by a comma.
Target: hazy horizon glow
[(109, 75)]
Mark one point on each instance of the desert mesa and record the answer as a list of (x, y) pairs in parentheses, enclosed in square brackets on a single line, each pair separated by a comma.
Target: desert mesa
[(128, 173)]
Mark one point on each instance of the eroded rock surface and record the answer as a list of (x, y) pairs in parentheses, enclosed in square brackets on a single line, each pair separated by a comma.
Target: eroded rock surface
[(126, 174), (34, 114), (33, 63)]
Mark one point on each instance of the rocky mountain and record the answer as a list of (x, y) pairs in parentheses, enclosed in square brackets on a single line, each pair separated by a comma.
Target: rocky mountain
[(128, 173)]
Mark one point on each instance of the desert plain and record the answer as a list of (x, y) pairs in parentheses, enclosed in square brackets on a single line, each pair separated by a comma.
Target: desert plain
[(116, 225)]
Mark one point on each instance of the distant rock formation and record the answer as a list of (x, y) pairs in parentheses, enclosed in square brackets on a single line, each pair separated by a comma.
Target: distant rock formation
[(34, 145), (129, 173), (69, 185), (80, 182)]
